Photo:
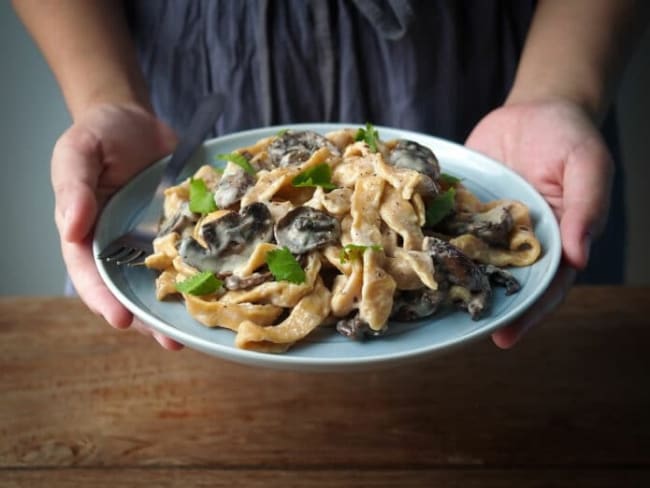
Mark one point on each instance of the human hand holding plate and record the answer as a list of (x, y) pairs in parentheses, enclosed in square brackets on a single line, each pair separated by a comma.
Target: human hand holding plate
[(558, 149), (106, 146)]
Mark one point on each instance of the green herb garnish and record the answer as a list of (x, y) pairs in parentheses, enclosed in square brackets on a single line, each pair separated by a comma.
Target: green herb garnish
[(282, 132), (449, 180), (355, 251), (369, 135), (284, 266), (319, 175), (441, 206), (240, 160), (200, 284), (201, 199)]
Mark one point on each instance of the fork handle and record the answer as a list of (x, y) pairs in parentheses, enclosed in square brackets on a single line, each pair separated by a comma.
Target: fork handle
[(203, 120), (206, 114)]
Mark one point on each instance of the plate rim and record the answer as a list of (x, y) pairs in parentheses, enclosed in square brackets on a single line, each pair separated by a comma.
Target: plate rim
[(286, 360)]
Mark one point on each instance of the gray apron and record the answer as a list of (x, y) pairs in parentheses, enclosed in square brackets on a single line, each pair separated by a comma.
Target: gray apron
[(434, 66)]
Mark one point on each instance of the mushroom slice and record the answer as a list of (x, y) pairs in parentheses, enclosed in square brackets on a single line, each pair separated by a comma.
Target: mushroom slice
[(417, 304), (469, 286), (304, 229), (501, 277), (295, 147), (179, 221), (476, 303), (233, 230), (493, 226), (411, 155), (234, 282), (356, 328), (452, 265), (233, 184), (229, 240)]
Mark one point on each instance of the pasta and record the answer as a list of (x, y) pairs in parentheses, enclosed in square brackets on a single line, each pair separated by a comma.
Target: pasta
[(341, 230)]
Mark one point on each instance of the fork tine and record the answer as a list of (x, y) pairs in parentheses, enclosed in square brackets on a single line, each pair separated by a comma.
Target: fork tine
[(119, 254), (135, 254), (111, 250), (125, 256), (137, 241)]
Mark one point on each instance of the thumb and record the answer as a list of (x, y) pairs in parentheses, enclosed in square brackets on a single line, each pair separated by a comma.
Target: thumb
[(586, 193), (76, 166)]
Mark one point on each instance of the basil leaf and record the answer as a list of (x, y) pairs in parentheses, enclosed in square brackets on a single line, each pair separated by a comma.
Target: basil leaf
[(240, 160), (201, 199), (284, 266), (200, 284), (449, 180), (319, 175), (441, 206), (369, 135)]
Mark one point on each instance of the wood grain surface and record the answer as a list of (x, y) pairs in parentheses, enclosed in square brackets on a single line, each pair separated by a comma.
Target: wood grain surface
[(569, 406)]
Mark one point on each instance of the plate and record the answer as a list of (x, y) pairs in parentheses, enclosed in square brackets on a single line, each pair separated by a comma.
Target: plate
[(325, 350)]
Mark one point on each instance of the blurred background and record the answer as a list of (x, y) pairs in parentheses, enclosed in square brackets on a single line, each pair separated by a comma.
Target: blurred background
[(34, 116)]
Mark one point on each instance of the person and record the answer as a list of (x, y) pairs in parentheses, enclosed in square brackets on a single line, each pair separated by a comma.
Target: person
[(527, 83)]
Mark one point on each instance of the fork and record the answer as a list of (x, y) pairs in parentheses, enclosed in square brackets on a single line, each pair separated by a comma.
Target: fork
[(136, 243)]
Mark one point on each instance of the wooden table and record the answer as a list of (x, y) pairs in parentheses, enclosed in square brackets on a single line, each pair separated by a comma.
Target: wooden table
[(82, 404)]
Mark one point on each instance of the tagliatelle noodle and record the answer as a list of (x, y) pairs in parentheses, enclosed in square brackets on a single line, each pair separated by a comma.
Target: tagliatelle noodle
[(354, 165), (335, 202), (523, 248), (269, 183), (404, 180), (420, 209), (308, 314), (164, 252), (401, 217), (210, 176), (364, 210), (388, 239), (256, 260), (411, 270), (182, 269), (214, 313), (341, 138), (316, 200), (259, 146), (346, 291), (279, 209), (278, 293), (166, 284), (332, 255), (523, 252), (377, 291)]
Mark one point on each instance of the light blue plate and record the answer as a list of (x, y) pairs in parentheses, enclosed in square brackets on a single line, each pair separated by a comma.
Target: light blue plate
[(325, 350)]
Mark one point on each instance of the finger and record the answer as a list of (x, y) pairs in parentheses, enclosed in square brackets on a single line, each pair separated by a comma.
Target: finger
[(164, 341), (586, 193), (509, 335), (76, 166), (167, 343), (89, 285)]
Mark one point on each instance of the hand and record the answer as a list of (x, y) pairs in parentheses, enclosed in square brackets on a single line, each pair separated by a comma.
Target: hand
[(557, 148), (105, 147)]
